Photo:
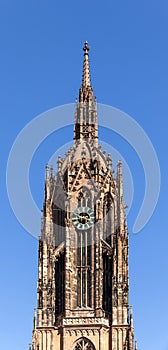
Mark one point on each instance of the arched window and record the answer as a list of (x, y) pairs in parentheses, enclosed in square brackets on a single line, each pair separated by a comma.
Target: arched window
[(84, 198), (107, 218), (107, 263), (60, 284), (83, 269), (83, 344), (83, 261)]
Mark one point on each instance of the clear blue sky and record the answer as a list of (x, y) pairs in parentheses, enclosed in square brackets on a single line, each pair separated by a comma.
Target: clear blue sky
[(41, 67)]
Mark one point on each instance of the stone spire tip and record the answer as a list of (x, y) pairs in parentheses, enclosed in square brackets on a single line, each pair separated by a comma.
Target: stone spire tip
[(86, 47), (86, 69)]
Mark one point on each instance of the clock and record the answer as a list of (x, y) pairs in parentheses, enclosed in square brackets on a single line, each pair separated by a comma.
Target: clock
[(83, 218)]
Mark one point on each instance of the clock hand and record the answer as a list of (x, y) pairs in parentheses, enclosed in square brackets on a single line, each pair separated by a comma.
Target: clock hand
[(84, 218), (80, 216)]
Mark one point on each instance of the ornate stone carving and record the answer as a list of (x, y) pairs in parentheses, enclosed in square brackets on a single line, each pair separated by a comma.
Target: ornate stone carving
[(83, 272), (81, 332), (85, 321), (83, 344)]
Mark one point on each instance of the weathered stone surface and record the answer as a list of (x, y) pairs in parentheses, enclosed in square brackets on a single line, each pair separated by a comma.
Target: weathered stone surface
[(83, 289)]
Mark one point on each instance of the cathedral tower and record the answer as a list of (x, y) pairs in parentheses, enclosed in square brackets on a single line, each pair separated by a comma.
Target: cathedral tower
[(83, 284)]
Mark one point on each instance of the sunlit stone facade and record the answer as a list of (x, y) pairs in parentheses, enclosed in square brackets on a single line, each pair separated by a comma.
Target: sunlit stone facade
[(83, 283)]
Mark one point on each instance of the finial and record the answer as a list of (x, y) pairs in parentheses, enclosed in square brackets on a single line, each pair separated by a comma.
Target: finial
[(86, 47), (109, 160), (47, 171), (51, 172), (59, 162)]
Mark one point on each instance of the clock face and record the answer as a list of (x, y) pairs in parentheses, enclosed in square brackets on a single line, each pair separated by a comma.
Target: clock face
[(83, 218)]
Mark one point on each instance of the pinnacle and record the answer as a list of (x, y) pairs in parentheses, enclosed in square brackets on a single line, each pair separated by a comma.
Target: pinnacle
[(86, 70)]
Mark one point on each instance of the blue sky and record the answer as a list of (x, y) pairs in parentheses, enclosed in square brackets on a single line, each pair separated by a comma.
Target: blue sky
[(41, 67)]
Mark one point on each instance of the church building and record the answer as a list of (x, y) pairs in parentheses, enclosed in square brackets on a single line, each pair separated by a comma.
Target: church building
[(83, 282)]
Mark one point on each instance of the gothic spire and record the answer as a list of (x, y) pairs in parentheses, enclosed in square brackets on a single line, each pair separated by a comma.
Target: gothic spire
[(86, 127), (86, 70), (86, 91)]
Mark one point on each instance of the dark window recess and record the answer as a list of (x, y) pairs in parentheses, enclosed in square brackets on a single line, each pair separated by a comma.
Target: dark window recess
[(59, 216), (107, 284), (60, 285), (107, 218)]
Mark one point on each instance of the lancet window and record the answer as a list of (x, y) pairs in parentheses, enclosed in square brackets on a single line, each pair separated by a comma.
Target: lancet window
[(107, 218), (60, 284), (83, 263)]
